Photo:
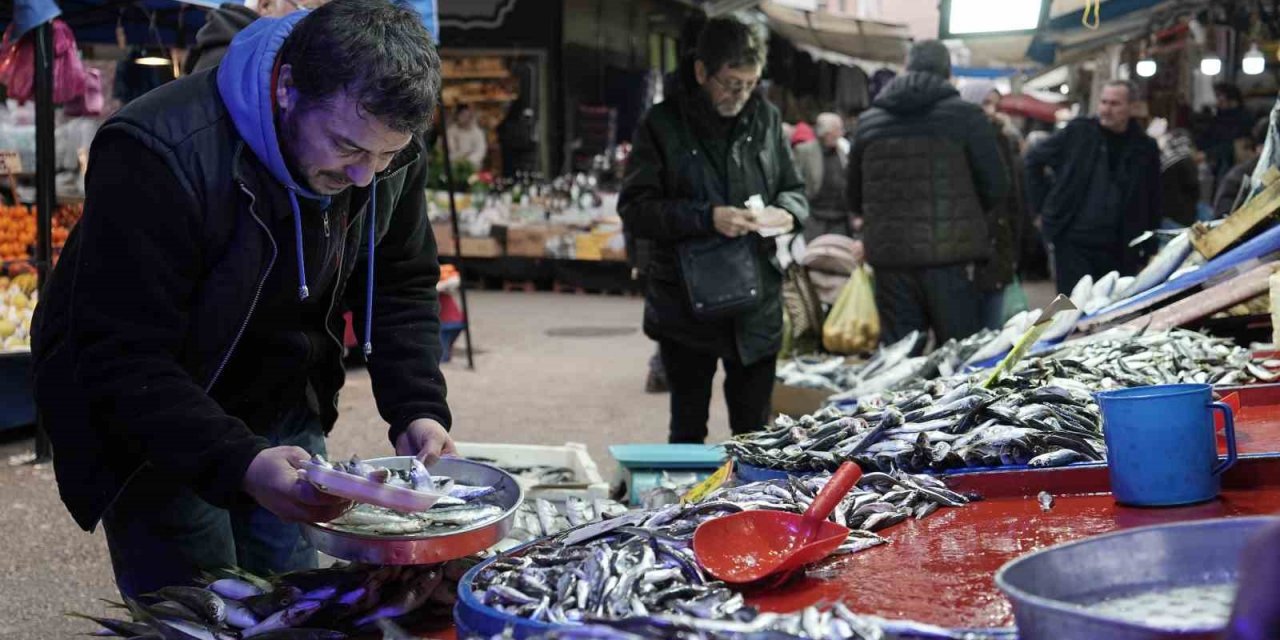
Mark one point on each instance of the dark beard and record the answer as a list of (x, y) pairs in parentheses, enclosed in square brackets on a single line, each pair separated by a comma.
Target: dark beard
[(287, 129)]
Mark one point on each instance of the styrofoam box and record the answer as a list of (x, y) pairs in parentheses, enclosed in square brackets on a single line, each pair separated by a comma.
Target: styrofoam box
[(573, 455)]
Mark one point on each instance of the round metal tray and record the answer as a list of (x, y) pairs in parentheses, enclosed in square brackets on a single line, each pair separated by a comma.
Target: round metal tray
[(1056, 591), (429, 548)]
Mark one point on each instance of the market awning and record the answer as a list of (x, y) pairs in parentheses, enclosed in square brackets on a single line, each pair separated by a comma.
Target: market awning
[(97, 20), (1065, 38), (864, 39)]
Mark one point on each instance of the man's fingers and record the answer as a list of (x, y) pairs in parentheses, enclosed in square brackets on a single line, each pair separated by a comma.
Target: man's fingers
[(306, 493)]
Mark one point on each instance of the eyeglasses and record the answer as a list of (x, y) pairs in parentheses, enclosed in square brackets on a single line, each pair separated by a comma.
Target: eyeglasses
[(735, 87)]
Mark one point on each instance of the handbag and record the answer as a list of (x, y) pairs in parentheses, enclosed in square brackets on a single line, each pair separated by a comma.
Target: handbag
[(721, 276), (801, 306)]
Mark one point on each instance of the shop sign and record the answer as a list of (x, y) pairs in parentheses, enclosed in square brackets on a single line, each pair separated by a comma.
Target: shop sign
[(474, 14), (10, 162)]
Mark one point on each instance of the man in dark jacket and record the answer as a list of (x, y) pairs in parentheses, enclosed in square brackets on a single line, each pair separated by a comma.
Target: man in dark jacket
[(924, 171), (698, 157), (1105, 189), (187, 356)]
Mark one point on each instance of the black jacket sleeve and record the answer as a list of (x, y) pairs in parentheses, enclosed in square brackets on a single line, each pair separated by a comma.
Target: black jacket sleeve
[(982, 146), (139, 266), (405, 363), (1045, 155), (646, 208), (790, 185)]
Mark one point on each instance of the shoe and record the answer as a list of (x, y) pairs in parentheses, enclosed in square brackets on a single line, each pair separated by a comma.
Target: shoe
[(656, 383)]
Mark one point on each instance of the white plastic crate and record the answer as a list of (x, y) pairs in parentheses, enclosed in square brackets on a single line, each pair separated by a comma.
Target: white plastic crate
[(573, 455)]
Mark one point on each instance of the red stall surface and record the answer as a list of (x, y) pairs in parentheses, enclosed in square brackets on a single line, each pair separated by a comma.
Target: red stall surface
[(940, 570), (1258, 417)]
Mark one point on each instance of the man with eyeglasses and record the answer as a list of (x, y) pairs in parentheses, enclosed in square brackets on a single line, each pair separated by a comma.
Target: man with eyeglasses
[(697, 159)]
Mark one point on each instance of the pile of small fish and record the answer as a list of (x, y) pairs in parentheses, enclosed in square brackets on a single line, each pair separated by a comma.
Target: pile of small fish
[(936, 427), (539, 518), (1041, 413), (463, 507), (319, 604), (893, 365), (640, 566), (534, 474), (416, 477), (1122, 358)]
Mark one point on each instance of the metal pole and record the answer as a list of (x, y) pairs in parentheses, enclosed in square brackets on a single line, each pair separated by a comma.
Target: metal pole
[(45, 195), (457, 236)]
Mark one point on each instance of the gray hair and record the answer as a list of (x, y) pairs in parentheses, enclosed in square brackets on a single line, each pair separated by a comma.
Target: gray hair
[(826, 122), (1135, 94)]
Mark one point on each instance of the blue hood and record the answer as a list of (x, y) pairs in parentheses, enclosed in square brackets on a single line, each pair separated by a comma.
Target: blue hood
[(244, 82)]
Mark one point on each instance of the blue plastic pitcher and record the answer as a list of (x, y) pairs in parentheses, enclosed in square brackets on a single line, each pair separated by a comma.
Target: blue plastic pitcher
[(1161, 446)]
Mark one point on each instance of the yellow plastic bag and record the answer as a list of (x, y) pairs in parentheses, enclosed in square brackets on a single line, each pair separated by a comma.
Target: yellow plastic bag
[(853, 326)]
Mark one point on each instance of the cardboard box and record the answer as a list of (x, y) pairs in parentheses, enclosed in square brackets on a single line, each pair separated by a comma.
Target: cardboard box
[(471, 247), (531, 241), (797, 401)]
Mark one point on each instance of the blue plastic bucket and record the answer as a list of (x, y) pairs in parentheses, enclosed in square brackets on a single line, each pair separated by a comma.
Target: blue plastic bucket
[(1161, 445), (475, 619)]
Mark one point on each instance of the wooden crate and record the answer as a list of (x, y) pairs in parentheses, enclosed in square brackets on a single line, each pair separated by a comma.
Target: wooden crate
[(1211, 242)]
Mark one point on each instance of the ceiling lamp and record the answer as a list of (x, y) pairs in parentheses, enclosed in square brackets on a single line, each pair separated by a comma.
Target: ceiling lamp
[(1064, 89), (1146, 67), (153, 57), (1253, 63), (1211, 65)]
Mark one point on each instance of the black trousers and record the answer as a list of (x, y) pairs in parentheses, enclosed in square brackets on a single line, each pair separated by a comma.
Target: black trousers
[(940, 298), (1073, 261), (747, 390)]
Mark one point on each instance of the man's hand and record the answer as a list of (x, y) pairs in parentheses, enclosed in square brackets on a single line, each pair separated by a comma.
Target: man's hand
[(273, 481), (775, 218), (733, 222), (426, 439)]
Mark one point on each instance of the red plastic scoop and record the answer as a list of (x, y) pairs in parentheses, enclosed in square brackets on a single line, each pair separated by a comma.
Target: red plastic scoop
[(747, 546)]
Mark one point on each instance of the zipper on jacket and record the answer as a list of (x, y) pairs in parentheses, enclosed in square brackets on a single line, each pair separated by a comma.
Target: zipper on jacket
[(257, 293), (333, 298), (325, 217)]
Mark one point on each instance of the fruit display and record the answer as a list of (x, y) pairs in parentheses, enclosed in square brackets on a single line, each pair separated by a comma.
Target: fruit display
[(18, 299), (18, 235), (17, 232)]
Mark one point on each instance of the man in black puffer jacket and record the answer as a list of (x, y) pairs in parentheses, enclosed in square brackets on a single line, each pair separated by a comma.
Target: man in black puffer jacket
[(924, 172)]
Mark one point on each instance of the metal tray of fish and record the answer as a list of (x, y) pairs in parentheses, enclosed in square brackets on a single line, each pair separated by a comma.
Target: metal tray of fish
[(489, 521), (1163, 581)]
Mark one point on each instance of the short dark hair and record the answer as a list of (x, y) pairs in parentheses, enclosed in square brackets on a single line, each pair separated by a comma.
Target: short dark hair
[(377, 51), (728, 41), (1229, 91), (1135, 94)]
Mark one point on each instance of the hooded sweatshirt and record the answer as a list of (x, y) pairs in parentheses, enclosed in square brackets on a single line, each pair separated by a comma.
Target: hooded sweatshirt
[(286, 344)]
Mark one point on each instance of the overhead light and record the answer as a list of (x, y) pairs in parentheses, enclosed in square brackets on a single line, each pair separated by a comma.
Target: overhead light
[(153, 56), (1210, 65), (1064, 89), (1146, 68), (990, 17), (1253, 62)]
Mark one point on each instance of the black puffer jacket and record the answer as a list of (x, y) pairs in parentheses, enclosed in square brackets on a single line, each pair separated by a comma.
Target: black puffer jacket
[(924, 170), (667, 197)]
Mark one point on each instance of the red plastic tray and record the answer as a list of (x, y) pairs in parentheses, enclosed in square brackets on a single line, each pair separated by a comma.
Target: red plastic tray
[(940, 570)]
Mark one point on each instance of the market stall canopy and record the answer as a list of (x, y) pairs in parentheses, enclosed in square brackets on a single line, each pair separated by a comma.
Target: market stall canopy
[(1066, 38), (95, 21), (863, 39)]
